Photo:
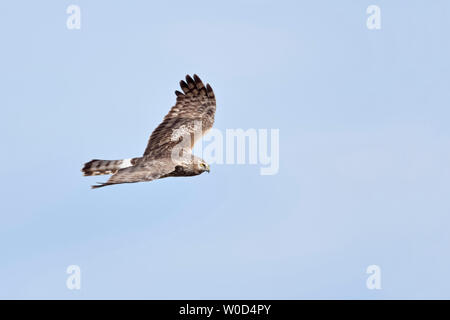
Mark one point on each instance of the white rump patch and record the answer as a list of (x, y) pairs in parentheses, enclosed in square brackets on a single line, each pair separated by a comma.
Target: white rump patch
[(125, 163)]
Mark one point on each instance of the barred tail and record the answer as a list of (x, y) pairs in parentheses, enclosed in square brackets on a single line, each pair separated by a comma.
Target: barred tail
[(97, 167)]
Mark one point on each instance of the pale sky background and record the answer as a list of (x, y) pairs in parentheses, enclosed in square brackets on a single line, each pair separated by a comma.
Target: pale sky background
[(364, 150)]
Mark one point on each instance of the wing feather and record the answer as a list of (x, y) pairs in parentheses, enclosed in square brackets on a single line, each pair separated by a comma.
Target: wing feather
[(195, 105), (143, 171)]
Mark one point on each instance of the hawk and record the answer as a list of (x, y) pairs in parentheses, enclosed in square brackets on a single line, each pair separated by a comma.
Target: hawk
[(168, 152)]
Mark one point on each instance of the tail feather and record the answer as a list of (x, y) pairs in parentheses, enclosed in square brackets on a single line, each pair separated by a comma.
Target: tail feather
[(97, 167)]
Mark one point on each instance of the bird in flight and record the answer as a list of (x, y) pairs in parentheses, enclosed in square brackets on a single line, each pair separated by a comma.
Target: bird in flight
[(169, 149)]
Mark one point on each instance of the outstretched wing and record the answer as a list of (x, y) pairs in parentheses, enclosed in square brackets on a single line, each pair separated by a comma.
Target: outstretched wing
[(143, 171), (195, 108)]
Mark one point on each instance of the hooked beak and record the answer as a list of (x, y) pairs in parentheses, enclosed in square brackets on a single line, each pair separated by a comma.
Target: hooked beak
[(207, 168)]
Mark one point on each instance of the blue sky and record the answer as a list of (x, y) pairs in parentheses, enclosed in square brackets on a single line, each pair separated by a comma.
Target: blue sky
[(364, 150)]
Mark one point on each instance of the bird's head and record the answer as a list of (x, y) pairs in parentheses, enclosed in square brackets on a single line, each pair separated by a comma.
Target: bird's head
[(198, 165), (202, 166)]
